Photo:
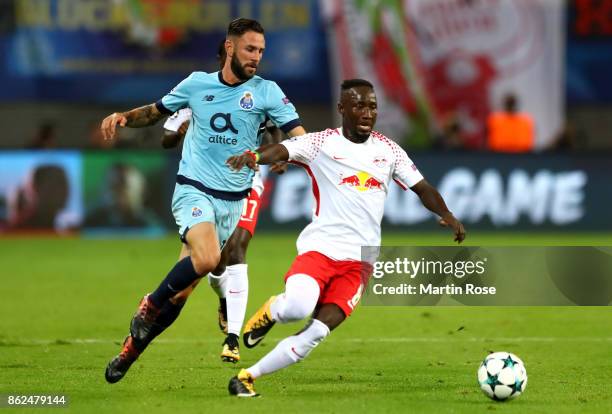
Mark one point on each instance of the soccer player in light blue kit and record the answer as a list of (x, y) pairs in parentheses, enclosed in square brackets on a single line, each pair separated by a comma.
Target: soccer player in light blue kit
[(228, 109)]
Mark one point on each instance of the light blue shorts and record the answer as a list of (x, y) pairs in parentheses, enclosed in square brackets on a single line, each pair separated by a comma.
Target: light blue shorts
[(191, 206)]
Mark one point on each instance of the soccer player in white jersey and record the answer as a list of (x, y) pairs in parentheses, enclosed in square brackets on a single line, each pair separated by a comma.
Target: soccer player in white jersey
[(351, 169)]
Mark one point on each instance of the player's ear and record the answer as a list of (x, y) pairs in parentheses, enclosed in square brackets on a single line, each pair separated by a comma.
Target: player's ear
[(340, 108), (229, 47)]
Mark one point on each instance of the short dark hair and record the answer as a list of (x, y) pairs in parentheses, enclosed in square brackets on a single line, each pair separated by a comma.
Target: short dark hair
[(351, 83), (238, 27)]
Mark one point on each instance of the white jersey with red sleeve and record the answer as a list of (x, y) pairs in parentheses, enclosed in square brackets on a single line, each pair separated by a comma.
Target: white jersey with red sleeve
[(350, 183)]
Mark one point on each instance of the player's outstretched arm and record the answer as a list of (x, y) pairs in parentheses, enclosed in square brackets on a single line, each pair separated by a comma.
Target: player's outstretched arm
[(266, 154), (136, 118), (433, 201), (274, 137)]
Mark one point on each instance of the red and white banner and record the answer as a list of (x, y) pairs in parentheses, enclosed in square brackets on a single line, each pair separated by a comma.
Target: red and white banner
[(434, 61)]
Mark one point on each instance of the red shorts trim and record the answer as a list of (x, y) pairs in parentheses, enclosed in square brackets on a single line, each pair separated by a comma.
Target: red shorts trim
[(341, 281), (250, 213)]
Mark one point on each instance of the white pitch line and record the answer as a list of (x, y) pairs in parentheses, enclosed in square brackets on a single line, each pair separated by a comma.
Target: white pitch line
[(496, 339), (417, 339)]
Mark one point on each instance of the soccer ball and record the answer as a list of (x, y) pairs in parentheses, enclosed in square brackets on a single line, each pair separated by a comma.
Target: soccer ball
[(502, 376)]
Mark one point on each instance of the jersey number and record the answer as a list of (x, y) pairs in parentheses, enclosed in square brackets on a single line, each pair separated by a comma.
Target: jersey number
[(252, 206), (355, 300)]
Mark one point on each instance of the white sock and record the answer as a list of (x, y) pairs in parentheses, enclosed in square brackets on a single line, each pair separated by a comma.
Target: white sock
[(218, 283), (237, 296), (291, 350), (298, 301)]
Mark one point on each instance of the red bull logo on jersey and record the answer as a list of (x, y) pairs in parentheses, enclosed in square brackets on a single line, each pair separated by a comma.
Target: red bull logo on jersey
[(361, 181)]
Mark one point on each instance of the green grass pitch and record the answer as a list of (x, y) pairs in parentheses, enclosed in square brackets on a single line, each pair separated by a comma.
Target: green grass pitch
[(66, 305)]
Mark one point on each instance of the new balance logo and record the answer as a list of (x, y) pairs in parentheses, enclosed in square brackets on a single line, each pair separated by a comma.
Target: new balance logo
[(208, 98)]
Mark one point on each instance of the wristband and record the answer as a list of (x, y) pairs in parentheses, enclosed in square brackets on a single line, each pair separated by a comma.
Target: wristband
[(254, 155)]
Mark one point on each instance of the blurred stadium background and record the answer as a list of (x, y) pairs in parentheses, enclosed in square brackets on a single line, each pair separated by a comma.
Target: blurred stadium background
[(440, 67)]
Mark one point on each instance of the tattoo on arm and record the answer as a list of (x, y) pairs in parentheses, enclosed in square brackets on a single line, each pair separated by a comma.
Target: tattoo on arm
[(143, 116)]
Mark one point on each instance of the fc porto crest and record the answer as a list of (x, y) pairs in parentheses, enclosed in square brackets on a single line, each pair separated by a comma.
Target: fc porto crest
[(196, 212), (247, 101)]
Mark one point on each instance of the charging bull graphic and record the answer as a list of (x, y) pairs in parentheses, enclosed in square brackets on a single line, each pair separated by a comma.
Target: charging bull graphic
[(362, 181)]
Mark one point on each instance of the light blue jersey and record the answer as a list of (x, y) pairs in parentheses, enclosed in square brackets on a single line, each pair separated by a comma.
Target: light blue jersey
[(226, 120)]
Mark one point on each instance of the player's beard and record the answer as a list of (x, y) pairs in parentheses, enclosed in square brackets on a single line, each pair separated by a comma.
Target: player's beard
[(239, 70)]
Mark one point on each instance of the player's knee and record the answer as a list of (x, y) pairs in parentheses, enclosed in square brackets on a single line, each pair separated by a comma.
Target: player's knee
[(300, 298), (297, 310), (204, 261)]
